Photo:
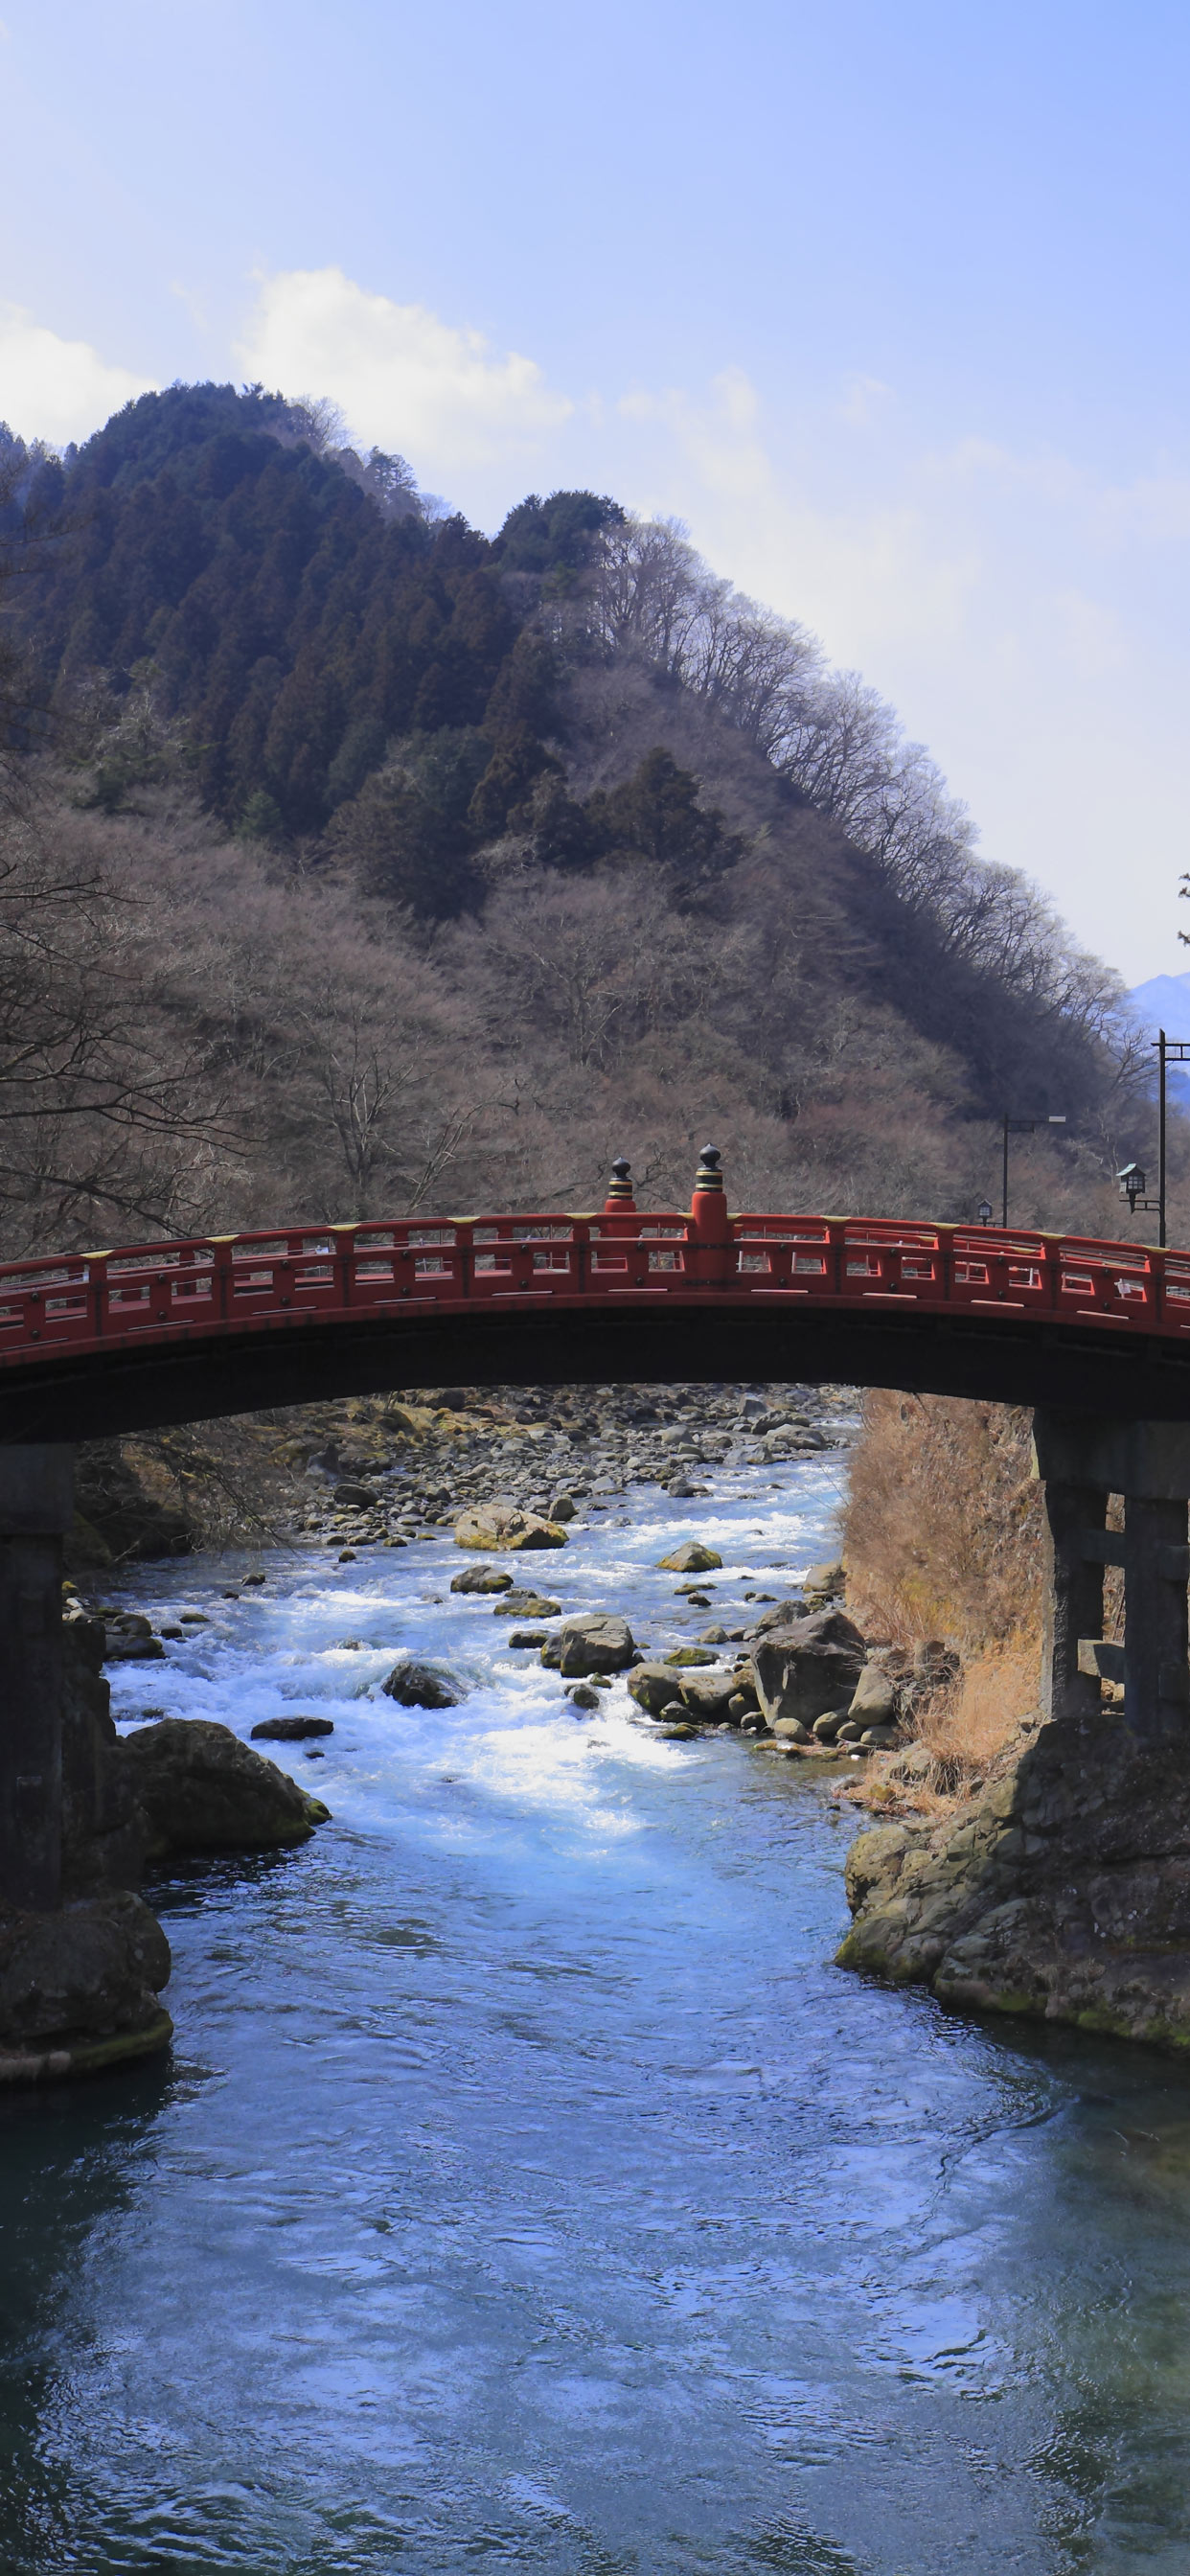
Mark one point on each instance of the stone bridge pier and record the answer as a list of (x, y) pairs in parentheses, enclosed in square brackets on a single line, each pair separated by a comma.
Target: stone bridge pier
[(1084, 1458), (36, 1503)]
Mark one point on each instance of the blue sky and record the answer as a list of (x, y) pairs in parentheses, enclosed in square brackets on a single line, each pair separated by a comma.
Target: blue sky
[(887, 301)]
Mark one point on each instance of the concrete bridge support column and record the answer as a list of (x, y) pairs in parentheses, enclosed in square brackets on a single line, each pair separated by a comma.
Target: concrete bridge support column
[(1084, 1458), (36, 1503)]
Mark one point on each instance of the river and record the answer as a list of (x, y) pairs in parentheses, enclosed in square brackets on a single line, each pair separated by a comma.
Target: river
[(527, 2191)]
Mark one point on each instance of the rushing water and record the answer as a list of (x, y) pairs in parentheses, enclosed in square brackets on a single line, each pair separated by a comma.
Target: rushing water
[(528, 2191)]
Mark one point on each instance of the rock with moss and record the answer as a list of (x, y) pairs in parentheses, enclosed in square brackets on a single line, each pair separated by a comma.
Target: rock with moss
[(201, 1790), (499, 1526), (1060, 1890), (692, 1558)]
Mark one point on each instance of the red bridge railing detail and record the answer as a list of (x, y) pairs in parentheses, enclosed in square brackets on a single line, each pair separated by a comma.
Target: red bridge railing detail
[(292, 1276)]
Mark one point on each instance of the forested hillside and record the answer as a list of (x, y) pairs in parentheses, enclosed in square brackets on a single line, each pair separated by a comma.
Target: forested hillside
[(354, 859)]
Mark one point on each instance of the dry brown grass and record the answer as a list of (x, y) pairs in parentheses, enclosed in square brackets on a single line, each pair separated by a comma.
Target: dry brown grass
[(943, 1538), (944, 1523), (967, 1726)]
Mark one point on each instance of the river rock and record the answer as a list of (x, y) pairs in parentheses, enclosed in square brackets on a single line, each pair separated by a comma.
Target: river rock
[(202, 1790), (789, 1730), (692, 1558), (596, 1642), (782, 1615), (130, 1640), (506, 1525), (415, 1685), (562, 1508), (582, 1696), (704, 1696), (82, 1984), (291, 1730), (526, 1605), (1061, 1889), (875, 1698), (693, 1655), (808, 1667), (356, 1498), (529, 1637), (481, 1578), (826, 1582)]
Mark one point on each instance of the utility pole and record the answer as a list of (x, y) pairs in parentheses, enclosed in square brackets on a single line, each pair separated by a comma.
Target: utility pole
[(1169, 1051)]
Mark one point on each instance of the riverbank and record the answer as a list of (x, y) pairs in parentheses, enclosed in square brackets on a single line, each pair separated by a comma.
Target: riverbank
[(268, 1479)]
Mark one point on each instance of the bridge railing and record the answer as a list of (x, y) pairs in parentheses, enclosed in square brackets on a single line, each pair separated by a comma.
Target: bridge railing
[(282, 1277)]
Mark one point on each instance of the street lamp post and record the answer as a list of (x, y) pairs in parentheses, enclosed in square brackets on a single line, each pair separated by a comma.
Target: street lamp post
[(1132, 1179), (1019, 1127)]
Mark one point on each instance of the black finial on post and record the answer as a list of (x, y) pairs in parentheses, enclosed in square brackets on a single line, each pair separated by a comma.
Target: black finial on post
[(708, 1175), (619, 1188)]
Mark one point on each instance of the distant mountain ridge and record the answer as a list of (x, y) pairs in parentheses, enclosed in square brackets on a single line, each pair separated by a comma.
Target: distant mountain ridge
[(1164, 1003)]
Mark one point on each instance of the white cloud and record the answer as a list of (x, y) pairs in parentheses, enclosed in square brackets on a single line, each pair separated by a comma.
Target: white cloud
[(53, 388), (404, 379)]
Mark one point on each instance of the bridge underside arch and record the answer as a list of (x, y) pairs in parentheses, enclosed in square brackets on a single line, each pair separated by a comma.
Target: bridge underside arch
[(133, 1388)]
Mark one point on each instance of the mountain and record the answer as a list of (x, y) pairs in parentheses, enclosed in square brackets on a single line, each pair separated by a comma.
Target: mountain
[(630, 853), (1164, 1003)]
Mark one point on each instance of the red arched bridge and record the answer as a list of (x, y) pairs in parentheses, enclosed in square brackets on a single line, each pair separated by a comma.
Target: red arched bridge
[(1096, 1336), (97, 1343)]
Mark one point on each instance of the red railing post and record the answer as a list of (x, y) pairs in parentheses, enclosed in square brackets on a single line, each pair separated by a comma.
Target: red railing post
[(710, 1253)]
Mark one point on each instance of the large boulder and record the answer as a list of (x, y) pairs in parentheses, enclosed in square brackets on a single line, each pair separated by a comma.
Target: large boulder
[(202, 1790), (692, 1558), (704, 1696), (480, 1578), (597, 1642), (81, 1986), (415, 1685), (504, 1526), (812, 1665)]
